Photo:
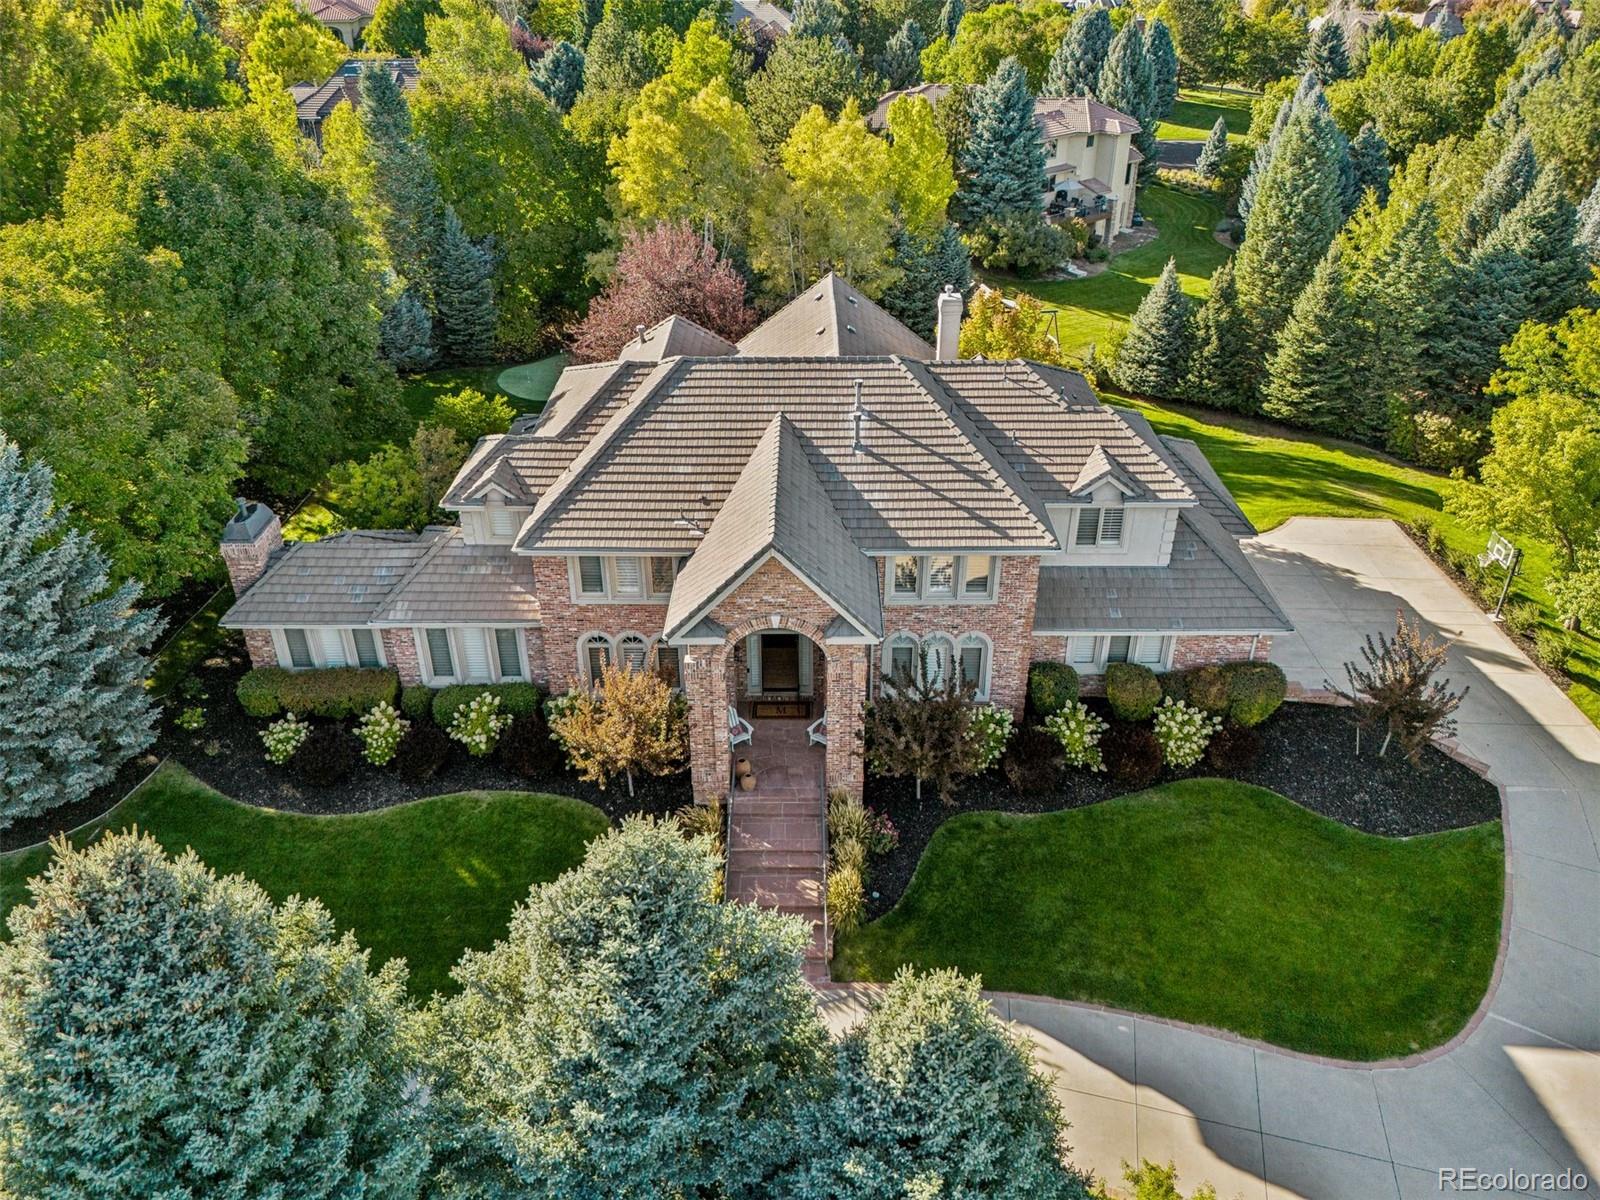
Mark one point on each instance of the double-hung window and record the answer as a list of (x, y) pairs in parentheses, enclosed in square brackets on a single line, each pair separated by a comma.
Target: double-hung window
[(474, 654), (441, 660), (507, 653), (303, 649), (941, 578), (299, 649), (1091, 654)]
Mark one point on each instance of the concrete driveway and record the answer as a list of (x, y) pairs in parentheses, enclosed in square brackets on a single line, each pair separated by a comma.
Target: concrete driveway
[(1520, 1094)]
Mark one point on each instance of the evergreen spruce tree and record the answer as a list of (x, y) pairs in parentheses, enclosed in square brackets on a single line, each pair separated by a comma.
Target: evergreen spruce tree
[(1163, 67), (1004, 158), (1369, 159), (1532, 255), (927, 265), (1127, 84), (1222, 363), (950, 17), (463, 295), (900, 64), (559, 75), (1214, 153), (1589, 223), (1153, 358), (1502, 189), (1264, 152), (935, 1097), (73, 706), (405, 335), (1327, 56), (1315, 377), (1507, 115), (818, 18), (164, 1032), (630, 1036), (1297, 211), (405, 187), (1075, 66)]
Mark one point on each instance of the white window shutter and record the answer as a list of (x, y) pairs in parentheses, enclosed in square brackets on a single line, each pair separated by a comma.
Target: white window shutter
[(752, 662), (475, 654), (591, 577), (366, 647), (629, 578), (502, 521), (1111, 527), (1082, 650), (332, 647), (506, 653), (299, 649), (439, 655), (1088, 533)]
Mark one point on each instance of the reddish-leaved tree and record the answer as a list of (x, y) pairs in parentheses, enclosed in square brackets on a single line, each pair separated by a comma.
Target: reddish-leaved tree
[(664, 271)]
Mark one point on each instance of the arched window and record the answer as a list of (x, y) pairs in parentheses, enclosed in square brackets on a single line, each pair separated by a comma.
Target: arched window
[(594, 656), (973, 656), (633, 651), (899, 659)]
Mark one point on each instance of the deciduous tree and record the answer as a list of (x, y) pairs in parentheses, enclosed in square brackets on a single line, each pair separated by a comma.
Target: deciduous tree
[(631, 723), (921, 173), (288, 46), (467, 41), (158, 50), (663, 270), (997, 329), (1397, 692), (400, 27), (918, 727), (74, 706), (164, 1032)]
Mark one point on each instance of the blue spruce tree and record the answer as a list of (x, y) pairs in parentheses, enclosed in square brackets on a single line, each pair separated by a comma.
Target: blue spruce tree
[(1214, 153), (559, 75), (1127, 84), (463, 295), (1369, 159), (900, 64), (1075, 66), (1004, 157), (1502, 189), (1163, 67), (1327, 57)]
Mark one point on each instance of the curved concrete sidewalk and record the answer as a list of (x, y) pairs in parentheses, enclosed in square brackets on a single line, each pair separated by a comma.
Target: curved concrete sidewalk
[(1521, 1092)]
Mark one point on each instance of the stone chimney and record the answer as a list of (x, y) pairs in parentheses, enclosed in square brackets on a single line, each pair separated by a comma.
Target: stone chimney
[(251, 537), (947, 342)]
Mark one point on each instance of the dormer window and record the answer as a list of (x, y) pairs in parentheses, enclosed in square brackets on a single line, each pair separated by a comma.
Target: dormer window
[(502, 521), (1099, 527)]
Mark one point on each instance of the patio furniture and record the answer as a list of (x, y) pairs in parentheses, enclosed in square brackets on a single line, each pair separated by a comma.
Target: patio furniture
[(817, 731), (739, 730)]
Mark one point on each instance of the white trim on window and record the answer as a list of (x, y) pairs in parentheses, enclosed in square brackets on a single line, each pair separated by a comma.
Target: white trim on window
[(944, 653), (985, 649), (316, 647), (1090, 652), (942, 578), (473, 653), (1099, 527), (595, 652), (632, 651), (621, 578)]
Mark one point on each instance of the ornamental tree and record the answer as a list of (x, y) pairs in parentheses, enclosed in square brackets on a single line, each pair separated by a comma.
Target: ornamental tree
[(934, 1096), (73, 706), (631, 1036), (1154, 356), (1003, 163), (631, 723), (463, 294), (164, 1032), (1075, 66), (1215, 151), (919, 725), (663, 270), (1396, 691)]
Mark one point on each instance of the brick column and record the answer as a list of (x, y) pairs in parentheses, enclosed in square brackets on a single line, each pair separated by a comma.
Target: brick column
[(400, 649), (705, 685), (847, 698), (259, 643)]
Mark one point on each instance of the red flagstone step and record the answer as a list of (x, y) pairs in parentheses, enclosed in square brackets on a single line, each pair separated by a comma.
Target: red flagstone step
[(787, 890), (767, 859)]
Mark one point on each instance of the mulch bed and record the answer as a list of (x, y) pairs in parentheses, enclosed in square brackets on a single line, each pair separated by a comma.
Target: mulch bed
[(1308, 754), (228, 755)]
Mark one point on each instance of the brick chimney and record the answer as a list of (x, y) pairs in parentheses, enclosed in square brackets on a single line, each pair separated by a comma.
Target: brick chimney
[(251, 536), (947, 342)]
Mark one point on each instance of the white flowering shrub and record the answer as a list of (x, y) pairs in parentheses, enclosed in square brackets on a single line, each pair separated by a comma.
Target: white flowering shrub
[(1078, 730), (478, 725), (554, 709), (1184, 732), (283, 738), (990, 730), (380, 731)]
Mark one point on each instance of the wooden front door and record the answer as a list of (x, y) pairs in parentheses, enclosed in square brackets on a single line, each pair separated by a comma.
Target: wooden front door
[(780, 662)]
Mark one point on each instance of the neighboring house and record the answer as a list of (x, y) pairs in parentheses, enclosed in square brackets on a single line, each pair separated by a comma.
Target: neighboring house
[(766, 20), (1091, 169), (795, 518), (1441, 16), (348, 19), (313, 102)]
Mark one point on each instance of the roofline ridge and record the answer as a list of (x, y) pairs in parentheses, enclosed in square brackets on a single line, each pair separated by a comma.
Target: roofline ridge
[(922, 375), (435, 548)]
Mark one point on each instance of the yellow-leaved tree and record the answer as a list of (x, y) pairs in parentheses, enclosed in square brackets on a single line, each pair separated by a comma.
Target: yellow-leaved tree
[(632, 723)]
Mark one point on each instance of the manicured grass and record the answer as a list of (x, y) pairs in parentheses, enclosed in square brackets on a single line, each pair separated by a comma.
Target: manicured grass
[(527, 386), (1213, 902), (190, 644), (532, 383), (422, 881), (1197, 111), (1093, 308), (1276, 474)]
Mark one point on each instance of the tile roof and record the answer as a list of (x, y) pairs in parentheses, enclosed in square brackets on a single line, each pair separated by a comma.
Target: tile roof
[(925, 475), (454, 581), (314, 101), (1056, 116), (340, 580), (831, 318), (1208, 587), (673, 338), (779, 506), (762, 14), (1101, 466), (340, 10), (1202, 477)]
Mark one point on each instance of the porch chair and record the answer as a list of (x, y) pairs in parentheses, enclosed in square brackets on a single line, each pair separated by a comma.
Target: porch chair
[(817, 731), (739, 730)]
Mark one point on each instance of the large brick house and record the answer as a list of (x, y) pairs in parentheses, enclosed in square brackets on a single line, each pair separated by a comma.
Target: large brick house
[(789, 520)]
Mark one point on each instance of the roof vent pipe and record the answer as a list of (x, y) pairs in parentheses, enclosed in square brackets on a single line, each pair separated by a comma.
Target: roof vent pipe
[(857, 413), (638, 333)]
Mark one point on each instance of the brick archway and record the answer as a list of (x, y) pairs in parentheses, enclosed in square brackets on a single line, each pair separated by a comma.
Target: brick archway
[(709, 686)]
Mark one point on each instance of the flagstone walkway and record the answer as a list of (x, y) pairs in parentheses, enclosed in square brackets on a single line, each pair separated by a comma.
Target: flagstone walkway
[(777, 839)]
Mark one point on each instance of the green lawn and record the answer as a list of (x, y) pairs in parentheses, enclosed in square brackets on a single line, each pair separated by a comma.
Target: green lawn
[(1212, 902), (422, 881), (1276, 474), (190, 644), (1092, 308), (1197, 111), (527, 386), (531, 383)]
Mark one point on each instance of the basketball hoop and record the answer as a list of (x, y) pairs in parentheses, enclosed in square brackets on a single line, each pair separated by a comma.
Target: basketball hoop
[(1501, 551)]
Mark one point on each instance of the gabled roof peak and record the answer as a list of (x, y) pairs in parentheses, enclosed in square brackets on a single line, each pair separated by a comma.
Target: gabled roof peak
[(676, 337), (831, 319)]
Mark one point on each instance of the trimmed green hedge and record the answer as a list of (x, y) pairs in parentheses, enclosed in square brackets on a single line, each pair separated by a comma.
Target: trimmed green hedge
[(1132, 691), (416, 701), (1247, 693), (1051, 687), (326, 692), (517, 699)]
